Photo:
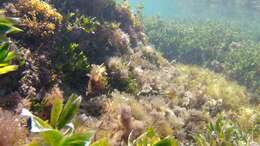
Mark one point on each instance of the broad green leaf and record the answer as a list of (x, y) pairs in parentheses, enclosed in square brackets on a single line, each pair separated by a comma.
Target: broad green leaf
[(43, 124), (3, 64), (7, 69), (52, 137), (3, 19), (69, 111), (38, 125), (9, 57), (3, 51), (14, 30), (56, 110), (6, 28), (76, 140)]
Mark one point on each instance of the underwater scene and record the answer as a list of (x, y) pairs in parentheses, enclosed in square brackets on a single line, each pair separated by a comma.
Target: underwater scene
[(129, 73)]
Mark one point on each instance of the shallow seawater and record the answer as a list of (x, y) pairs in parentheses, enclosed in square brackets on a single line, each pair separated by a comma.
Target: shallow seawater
[(233, 11), (210, 27)]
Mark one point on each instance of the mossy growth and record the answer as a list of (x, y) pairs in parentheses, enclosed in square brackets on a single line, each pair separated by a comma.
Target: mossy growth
[(150, 54), (129, 85), (120, 76), (248, 120), (202, 82)]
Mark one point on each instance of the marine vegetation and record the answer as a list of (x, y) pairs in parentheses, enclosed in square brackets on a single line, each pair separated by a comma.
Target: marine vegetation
[(223, 47), (12, 131), (59, 132), (6, 55), (85, 74)]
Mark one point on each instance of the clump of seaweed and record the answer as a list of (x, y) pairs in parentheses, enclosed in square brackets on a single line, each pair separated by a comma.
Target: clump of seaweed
[(125, 113), (110, 40), (55, 95), (10, 101), (153, 56), (248, 120), (15, 102), (107, 11), (50, 98), (12, 133), (36, 74), (126, 126), (37, 17), (120, 76), (130, 24), (31, 77), (118, 68), (120, 40), (97, 80)]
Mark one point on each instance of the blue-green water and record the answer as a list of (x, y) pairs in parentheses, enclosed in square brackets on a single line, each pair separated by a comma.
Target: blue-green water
[(201, 9)]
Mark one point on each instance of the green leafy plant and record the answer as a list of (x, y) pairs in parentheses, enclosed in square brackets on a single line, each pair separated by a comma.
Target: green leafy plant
[(6, 27), (59, 131), (223, 133), (56, 138), (71, 59), (87, 24), (75, 59), (150, 138), (6, 56)]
